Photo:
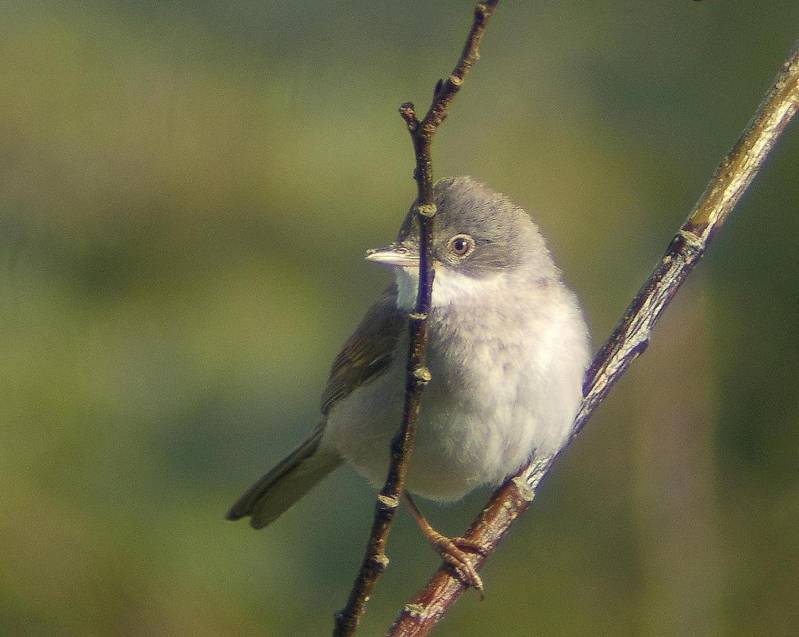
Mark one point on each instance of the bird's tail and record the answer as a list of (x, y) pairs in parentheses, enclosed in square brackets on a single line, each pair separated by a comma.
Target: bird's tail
[(291, 479)]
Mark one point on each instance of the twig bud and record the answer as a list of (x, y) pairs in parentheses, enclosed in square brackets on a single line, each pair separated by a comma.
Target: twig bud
[(422, 375), (414, 610), (525, 491), (389, 501), (426, 209)]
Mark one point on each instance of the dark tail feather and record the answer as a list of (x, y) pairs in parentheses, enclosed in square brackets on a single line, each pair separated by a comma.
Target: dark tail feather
[(291, 479)]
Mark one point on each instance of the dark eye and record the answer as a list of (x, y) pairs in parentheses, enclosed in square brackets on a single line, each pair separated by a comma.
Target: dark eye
[(461, 244)]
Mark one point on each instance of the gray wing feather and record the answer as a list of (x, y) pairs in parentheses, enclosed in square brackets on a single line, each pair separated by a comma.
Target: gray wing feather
[(286, 483), (365, 355), (368, 352)]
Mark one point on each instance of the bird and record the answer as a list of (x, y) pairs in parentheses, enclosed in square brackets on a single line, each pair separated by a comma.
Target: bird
[(507, 350)]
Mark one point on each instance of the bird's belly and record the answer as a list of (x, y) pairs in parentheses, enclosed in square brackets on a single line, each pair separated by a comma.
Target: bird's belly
[(452, 455), (474, 428)]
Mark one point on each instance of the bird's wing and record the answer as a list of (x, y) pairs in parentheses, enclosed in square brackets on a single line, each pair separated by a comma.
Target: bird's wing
[(368, 352)]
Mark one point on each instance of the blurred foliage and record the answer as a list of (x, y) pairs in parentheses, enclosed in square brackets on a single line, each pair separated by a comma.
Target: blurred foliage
[(186, 192)]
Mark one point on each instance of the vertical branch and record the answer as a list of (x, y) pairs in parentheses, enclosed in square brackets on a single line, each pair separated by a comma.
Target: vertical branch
[(417, 374), (630, 338)]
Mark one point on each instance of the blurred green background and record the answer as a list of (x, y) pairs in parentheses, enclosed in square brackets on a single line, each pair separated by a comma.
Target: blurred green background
[(186, 193)]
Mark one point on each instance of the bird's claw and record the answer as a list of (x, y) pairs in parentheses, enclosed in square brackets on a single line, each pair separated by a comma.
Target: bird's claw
[(454, 552)]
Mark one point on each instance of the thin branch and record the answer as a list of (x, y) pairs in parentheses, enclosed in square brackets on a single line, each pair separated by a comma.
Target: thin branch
[(418, 375), (629, 339)]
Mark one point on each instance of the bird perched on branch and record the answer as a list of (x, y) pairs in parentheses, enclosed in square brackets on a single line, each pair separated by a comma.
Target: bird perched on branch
[(507, 350)]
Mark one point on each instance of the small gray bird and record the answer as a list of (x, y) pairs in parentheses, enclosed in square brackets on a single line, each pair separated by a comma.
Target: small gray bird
[(507, 350)]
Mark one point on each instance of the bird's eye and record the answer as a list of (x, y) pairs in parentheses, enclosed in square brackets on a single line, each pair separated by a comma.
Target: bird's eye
[(461, 245)]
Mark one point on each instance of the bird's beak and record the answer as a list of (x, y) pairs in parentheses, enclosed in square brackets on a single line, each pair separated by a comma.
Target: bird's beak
[(394, 255)]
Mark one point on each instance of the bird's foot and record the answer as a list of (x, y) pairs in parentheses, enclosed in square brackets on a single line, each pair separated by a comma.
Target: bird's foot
[(454, 551)]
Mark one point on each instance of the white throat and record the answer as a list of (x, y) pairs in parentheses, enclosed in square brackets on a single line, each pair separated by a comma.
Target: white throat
[(450, 287)]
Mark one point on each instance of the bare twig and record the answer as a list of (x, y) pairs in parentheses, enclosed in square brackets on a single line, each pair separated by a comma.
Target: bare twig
[(417, 376), (629, 339)]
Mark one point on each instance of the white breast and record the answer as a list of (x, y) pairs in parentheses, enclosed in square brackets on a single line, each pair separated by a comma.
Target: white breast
[(507, 359)]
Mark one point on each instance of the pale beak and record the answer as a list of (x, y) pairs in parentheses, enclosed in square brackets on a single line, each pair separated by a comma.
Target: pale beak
[(394, 255)]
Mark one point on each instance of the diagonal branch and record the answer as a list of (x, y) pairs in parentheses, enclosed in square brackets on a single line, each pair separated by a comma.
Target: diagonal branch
[(417, 376), (629, 339)]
